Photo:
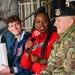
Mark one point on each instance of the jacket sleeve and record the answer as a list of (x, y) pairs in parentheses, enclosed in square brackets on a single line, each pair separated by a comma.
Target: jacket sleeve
[(26, 62), (50, 67)]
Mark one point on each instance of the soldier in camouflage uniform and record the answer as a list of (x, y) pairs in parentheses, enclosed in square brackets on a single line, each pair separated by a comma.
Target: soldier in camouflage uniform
[(62, 58)]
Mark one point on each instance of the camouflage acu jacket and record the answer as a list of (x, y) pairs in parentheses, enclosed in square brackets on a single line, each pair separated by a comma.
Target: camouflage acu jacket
[(62, 58)]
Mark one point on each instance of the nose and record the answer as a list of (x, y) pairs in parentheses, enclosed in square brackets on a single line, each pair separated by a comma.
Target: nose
[(15, 27), (41, 23)]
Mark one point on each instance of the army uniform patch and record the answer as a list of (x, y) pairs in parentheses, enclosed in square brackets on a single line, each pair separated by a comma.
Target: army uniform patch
[(57, 12)]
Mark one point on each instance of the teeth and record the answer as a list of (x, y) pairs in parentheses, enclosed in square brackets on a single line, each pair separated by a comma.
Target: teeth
[(42, 28)]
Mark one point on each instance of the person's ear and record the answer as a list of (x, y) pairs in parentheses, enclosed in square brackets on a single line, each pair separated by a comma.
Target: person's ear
[(71, 21), (35, 26)]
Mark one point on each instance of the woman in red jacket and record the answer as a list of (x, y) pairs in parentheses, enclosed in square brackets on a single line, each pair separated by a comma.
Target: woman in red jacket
[(41, 48)]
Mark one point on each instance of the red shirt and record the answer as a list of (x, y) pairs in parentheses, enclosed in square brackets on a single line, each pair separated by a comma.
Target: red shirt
[(37, 67)]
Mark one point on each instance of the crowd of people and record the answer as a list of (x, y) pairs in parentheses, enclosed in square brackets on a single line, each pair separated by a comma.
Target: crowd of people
[(50, 53)]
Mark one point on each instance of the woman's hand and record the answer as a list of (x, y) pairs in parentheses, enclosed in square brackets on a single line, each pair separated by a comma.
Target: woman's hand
[(34, 58), (29, 45)]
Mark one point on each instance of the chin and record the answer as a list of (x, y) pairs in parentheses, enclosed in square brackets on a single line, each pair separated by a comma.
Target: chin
[(58, 32), (43, 32)]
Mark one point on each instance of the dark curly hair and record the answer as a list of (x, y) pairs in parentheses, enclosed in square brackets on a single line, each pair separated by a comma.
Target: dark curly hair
[(12, 19)]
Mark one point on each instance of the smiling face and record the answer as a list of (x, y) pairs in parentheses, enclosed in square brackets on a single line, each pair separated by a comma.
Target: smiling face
[(41, 23), (15, 28), (63, 23)]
